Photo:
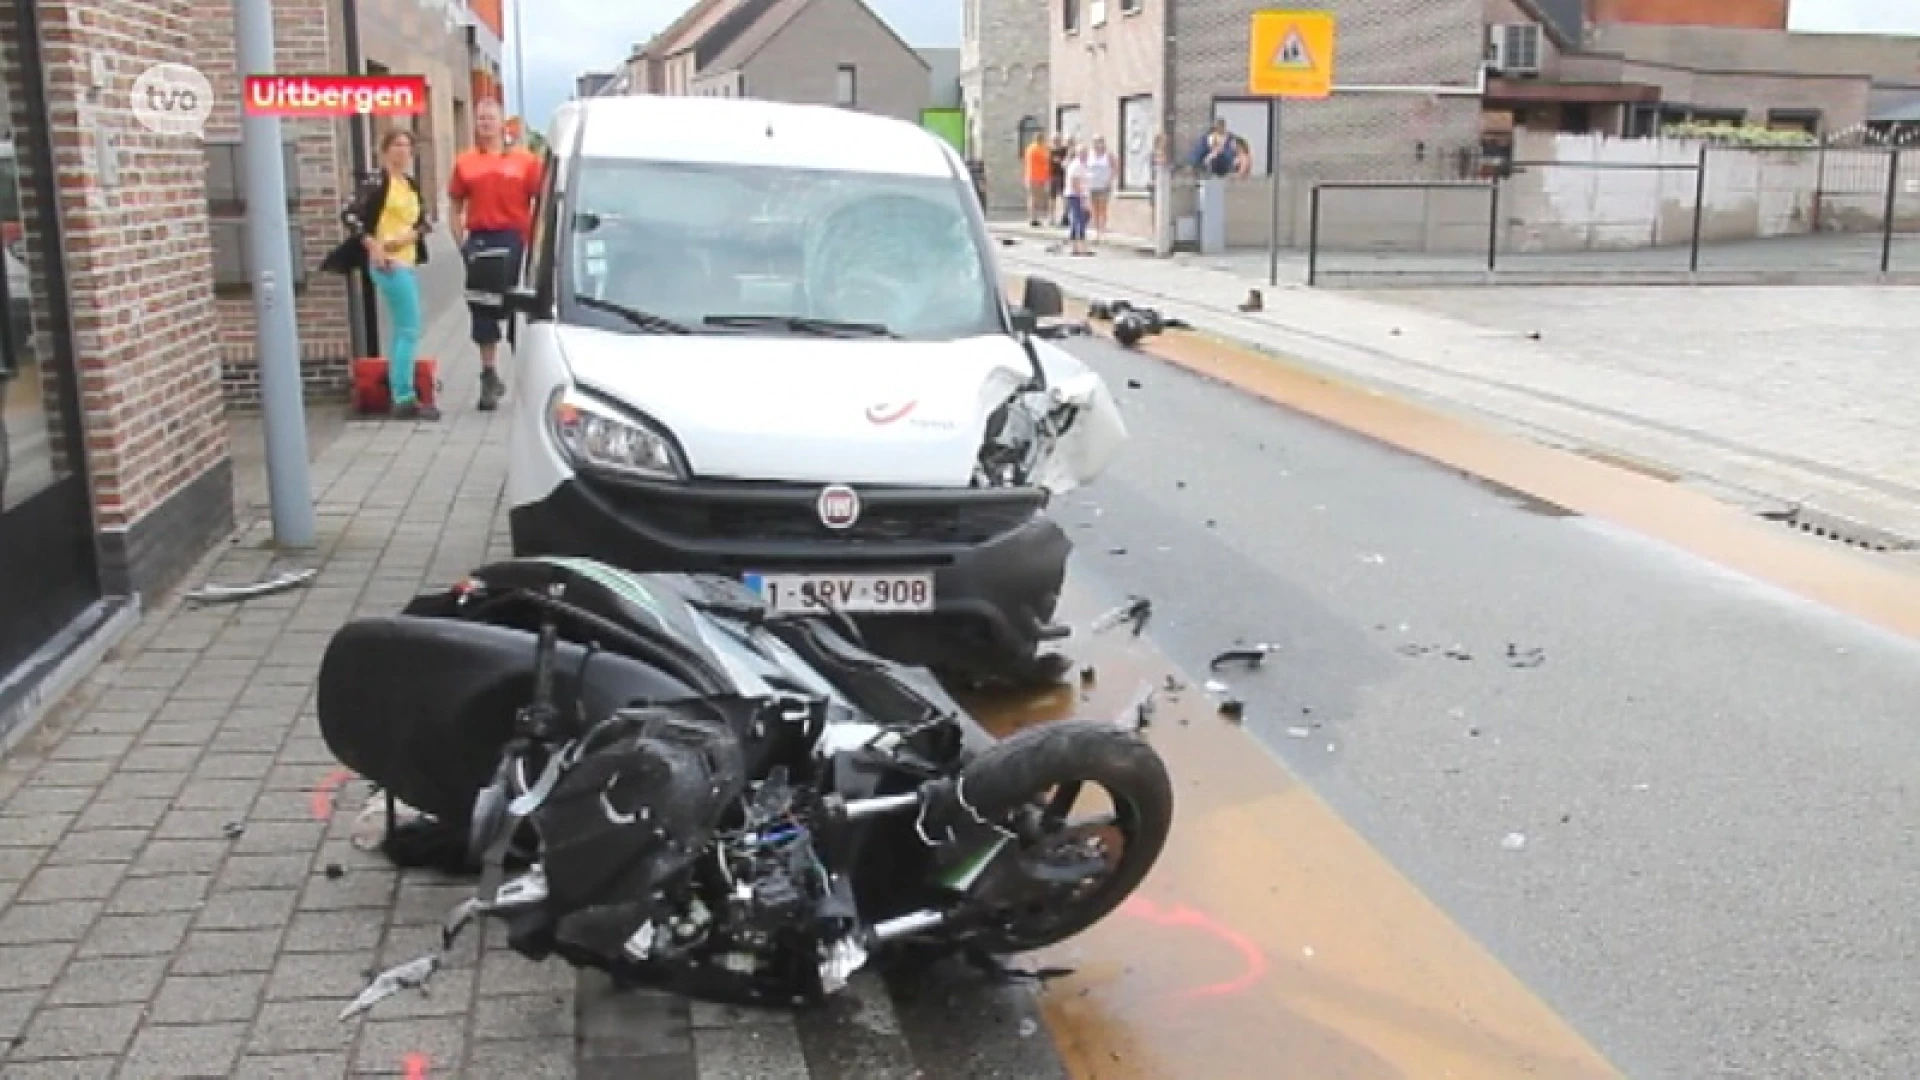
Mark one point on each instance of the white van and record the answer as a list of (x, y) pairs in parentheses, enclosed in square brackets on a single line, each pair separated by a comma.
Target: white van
[(771, 341)]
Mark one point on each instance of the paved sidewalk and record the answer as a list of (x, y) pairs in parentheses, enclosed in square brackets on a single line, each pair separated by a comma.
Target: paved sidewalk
[(179, 896), (1764, 396)]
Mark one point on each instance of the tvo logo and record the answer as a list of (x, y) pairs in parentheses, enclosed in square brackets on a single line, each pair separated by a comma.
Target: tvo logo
[(172, 99)]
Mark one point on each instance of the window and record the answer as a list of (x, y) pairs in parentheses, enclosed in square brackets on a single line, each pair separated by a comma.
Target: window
[(1066, 121), (1807, 120), (1136, 143), (846, 88), (1129, 7), (1729, 117), (1070, 15), (1252, 120), (689, 241), (1096, 12)]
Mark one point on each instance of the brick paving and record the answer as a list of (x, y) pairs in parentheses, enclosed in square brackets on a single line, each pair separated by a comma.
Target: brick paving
[(1764, 396), (179, 896)]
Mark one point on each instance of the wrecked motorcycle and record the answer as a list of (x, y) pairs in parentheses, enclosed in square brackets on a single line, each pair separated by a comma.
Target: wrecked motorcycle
[(655, 777)]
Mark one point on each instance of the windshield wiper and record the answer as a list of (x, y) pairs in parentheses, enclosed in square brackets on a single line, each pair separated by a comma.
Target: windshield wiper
[(641, 320), (801, 324)]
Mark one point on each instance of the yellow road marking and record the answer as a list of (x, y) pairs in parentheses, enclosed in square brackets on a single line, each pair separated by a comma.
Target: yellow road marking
[(1352, 973)]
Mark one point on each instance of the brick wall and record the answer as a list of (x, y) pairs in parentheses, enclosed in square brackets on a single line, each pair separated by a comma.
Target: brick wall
[(1094, 67), (307, 41), (133, 213), (1005, 78), (1351, 136), (411, 38)]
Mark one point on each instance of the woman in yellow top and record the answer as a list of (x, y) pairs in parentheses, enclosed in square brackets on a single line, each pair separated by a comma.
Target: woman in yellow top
[(390, 222)]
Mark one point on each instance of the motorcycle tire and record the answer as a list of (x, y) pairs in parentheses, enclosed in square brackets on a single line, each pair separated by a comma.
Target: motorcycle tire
[(1019, 769)]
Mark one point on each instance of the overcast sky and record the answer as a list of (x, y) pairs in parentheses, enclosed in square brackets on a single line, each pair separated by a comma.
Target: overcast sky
[(1858, 16), (566, 37)]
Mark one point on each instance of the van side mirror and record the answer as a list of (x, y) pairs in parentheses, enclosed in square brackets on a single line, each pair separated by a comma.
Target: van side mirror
[(1042, 299)]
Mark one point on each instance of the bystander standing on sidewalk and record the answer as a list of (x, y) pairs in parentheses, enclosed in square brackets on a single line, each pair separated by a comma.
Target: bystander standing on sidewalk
[(1038, 176), (1077, 202), (493, 190), (1057, 179), (1100, 175), (387, 225)]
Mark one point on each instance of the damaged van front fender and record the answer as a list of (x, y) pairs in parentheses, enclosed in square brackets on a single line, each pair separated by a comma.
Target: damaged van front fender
[(1090, 430)]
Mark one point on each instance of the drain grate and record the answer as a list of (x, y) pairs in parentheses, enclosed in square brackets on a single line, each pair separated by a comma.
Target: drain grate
[(1840, 530)]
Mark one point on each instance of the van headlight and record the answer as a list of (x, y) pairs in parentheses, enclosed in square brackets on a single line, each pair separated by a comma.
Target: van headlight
[(597, 435)]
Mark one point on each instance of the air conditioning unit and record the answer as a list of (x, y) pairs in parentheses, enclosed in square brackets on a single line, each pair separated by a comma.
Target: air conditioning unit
[(1513, 48)]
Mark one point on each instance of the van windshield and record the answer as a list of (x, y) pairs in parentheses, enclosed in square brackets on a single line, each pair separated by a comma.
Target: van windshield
[(751, 249)]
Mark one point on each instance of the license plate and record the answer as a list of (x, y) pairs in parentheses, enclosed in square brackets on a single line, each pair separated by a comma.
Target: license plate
[(863, 593)]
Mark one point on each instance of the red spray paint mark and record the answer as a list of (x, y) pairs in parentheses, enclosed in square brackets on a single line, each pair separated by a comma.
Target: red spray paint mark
[(321, 801), (416, 1065), (1253, 961)]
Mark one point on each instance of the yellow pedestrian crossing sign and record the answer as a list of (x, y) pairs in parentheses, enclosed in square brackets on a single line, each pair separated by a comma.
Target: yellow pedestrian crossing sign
[(1291, 54)]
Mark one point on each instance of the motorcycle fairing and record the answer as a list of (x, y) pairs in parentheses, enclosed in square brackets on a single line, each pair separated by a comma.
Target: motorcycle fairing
[(426, 705)]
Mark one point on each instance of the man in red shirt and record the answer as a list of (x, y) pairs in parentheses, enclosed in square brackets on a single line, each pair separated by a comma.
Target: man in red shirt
[(493, 190)]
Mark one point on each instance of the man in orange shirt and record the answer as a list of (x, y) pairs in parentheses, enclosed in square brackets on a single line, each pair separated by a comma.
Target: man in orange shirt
[(493, 190), (1039, 176)]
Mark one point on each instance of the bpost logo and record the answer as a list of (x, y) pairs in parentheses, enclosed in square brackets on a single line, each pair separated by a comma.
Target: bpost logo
[(336, 95), (172, 99)]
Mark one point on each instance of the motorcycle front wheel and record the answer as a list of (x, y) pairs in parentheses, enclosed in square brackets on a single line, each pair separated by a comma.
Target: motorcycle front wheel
[(1059, 876)]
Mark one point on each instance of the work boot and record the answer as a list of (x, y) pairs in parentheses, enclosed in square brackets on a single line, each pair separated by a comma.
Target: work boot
[(491, 390)]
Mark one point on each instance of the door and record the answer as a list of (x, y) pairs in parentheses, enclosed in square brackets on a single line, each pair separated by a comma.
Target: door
[(48, 573)]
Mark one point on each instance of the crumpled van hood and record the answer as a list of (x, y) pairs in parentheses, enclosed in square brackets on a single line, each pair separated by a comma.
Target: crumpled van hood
[(816, 410)]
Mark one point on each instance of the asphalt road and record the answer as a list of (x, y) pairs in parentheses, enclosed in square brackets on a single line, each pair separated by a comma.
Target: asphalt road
[(1682, 811)]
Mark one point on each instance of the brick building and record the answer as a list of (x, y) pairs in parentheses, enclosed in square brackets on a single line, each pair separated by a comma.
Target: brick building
[(1005, 79), (129, 328), (1409, 107)]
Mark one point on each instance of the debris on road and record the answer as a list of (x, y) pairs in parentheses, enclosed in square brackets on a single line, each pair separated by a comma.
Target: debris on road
[(1250, 656), (1130, 323), (1299, 733), (236, 829), (1137, 610), (1514, 841), (1233, 709), (227, 594), (1524, 658), (412, 975), (1253, 302), (1088, 676), (1139, 714)]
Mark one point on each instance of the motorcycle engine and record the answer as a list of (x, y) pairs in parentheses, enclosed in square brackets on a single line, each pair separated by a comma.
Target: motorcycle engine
[(662, 861)]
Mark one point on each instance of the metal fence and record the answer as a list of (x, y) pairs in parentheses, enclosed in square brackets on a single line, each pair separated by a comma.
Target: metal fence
[(1733, 215)]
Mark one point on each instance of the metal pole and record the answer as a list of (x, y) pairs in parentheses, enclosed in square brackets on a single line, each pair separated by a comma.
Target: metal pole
[(1273, 180), (1313, 237), (270, 258), (1886, 229), (1493, 223), (519, 64), (363, 305), (1699, 209)]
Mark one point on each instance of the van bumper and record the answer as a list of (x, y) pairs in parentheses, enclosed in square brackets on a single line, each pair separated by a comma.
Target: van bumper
[(998, 563)]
